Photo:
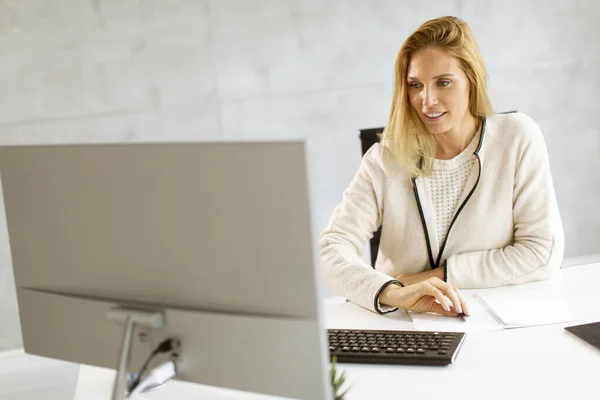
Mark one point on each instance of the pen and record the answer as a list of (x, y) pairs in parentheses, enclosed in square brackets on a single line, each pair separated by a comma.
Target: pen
[(462, 316)]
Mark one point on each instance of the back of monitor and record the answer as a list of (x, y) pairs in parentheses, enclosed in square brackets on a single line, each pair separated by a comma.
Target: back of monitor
[(216, 235)]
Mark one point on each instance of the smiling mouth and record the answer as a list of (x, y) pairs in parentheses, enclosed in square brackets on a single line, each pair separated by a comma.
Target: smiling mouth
[(433, 117)]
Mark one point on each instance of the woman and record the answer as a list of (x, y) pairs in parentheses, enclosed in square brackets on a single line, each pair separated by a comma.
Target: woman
[(464, 196)]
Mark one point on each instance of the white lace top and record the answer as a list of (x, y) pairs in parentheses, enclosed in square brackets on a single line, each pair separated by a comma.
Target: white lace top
[(447, 185)]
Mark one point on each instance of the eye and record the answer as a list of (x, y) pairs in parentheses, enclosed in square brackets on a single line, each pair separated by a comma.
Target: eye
[(414, 85), (444, 82)]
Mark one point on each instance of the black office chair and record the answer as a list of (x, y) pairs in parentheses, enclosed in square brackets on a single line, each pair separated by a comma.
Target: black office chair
[(368, 137)]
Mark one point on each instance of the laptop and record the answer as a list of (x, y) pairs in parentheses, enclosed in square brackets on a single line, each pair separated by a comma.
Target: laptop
[(589, 333)]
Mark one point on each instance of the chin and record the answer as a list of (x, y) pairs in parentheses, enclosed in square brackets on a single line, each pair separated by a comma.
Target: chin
[(436, 129)]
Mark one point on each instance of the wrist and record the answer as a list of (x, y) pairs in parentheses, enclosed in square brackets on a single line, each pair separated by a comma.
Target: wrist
[(438, 272), (387, 295), (445, 271)]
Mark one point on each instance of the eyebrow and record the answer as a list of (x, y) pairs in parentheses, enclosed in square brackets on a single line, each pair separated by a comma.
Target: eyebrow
[(435, 77)]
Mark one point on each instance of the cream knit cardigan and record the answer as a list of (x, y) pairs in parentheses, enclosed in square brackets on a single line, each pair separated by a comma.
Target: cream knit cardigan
[(509, 230)]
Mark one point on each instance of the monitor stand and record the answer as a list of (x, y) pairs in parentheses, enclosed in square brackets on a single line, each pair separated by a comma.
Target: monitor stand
[(131, 318)]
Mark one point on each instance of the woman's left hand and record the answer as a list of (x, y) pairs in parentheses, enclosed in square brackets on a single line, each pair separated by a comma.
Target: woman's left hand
[(410, 279)]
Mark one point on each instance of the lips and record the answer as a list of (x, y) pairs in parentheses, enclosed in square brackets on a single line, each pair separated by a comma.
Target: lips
[(434, 116)]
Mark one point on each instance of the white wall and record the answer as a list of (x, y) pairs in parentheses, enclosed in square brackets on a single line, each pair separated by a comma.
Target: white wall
[(125, 70)]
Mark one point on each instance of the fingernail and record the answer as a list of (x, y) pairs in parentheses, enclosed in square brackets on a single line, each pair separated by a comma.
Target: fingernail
[(446, 307)]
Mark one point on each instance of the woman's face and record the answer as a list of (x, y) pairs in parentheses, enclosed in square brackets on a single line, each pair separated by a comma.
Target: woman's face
[(438, 90)]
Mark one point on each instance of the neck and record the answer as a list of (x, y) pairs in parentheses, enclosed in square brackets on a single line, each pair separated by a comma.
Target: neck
[(453, 142)]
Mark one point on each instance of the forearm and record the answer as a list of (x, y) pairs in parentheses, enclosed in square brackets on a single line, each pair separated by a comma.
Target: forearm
[(516, 263), (346, 274), (410, 279)]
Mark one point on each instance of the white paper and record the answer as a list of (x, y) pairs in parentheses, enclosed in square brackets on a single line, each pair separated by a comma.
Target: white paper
[(528, 309), (342, 314)]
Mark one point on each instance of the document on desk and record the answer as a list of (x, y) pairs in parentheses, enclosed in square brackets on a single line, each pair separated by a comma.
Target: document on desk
[(519, 310), (342, 314)]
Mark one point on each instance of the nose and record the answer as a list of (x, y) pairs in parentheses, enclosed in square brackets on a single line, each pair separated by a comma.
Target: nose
[(429, 97)]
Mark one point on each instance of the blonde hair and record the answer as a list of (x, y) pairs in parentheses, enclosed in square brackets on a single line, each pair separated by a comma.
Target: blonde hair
[(405, 135)]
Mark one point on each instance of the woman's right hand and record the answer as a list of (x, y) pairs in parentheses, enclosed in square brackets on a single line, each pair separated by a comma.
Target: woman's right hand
[(422, 296)]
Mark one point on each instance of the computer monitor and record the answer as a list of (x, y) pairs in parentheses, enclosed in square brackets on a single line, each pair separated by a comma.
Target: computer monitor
[(215, 236)]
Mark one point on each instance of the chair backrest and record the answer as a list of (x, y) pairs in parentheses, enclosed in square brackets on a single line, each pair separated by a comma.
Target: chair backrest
[(368, 137)]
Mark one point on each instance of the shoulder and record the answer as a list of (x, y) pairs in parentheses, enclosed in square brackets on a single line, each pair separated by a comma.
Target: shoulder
[(515, 130), (381, 167), (379, 159)]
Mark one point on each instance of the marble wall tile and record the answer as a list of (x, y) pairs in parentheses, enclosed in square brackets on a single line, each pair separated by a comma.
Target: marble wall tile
[(160, 70)]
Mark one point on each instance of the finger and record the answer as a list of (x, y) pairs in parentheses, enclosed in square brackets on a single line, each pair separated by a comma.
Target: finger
[(456, 300), (463, 301), (438, 309), (449, 291), (439, 296)]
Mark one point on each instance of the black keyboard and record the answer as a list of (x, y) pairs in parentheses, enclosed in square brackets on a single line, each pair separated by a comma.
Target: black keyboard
[(394, 347)]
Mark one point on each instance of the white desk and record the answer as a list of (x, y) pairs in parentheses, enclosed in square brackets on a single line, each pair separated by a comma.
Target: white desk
[(544, 361)]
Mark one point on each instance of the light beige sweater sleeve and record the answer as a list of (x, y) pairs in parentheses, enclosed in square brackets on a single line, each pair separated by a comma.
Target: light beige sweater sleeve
[(537, 249), (352, 224)]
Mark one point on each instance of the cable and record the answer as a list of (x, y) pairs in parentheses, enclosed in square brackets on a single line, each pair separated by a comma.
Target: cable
[(165, 346), (157, 376)]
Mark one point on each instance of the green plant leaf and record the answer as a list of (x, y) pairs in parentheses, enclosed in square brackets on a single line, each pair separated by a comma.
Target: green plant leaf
[(337, 380)]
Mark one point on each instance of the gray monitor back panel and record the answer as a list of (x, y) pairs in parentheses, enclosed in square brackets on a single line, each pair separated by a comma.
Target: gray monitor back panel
[(200, 229)]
